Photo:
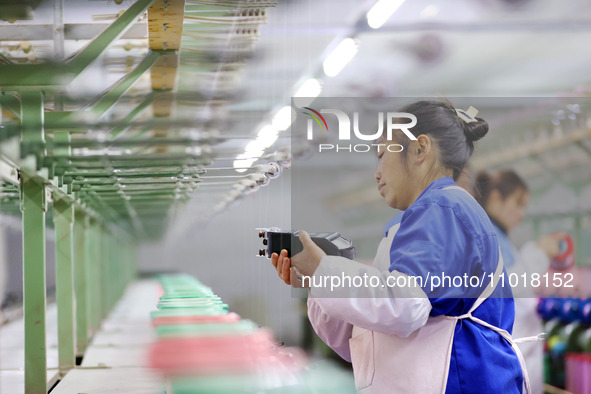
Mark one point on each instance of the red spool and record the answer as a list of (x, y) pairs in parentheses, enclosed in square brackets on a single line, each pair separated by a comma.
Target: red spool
[(566, 257)]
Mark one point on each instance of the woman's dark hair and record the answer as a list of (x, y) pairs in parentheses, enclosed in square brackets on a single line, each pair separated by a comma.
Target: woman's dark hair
[(454, 137), (506, 182)]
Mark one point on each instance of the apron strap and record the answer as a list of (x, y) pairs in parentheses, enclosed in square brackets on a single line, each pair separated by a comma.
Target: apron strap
[(393, 230), (491, 286), (485, 294), (488, 290), (509, 339), (456, 187), (540, 337)]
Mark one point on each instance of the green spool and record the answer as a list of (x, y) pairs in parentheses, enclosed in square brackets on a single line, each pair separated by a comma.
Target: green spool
[(194, 330), (578, 340), (176, 312), (318, 378)]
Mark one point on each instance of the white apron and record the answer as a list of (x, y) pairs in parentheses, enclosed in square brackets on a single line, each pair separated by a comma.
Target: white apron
[(419, 363)]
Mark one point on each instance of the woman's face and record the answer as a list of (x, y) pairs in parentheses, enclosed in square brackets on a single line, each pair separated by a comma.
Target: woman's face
[(509, 211), (394, 181)]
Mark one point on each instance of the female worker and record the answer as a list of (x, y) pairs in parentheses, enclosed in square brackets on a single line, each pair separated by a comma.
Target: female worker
[(504, 196), (425, 339)]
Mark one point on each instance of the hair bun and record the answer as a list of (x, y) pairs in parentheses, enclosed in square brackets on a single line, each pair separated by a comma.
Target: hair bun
[(475, 130)]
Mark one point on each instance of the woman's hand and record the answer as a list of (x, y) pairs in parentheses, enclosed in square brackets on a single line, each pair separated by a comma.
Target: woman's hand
[(550, 244), (291, 270), (306, 262), (282, 264)]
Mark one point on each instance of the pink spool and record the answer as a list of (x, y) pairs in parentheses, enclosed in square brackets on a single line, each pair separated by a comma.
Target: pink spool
[(214, 354), (291, 359), (586, 373), (579, 365), (570, 366)]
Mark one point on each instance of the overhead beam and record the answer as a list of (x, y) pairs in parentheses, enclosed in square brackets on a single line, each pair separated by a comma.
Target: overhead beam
[(165, 24), (515, 152), (111, 34), (11, 103), (133, 114), (165, 30), (55, 119), (29, 75), (72, 31), (503, 27), (162, 107), (164, 72), (12, 12), (109, 99), (56, 74)]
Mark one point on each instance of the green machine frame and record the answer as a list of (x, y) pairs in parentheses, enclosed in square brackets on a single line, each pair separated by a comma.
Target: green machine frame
[(99, 204)]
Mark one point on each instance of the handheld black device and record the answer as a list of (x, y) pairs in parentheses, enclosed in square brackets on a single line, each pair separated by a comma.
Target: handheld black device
[(333, 244)]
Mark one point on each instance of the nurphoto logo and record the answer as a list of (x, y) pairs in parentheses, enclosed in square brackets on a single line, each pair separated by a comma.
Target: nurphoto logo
[(394, 121)]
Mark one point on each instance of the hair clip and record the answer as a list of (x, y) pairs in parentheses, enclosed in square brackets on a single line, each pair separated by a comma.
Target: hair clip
[(468, 116)]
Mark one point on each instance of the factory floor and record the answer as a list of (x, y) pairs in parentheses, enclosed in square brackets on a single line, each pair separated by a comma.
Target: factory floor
[(115, 360)]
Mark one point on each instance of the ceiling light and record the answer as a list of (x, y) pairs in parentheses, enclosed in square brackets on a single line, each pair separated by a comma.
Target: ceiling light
[(267, 136), (283, 118), (307, 92), (310, 88), (339, 57), (254, 146), (242, 162), (381, 11)]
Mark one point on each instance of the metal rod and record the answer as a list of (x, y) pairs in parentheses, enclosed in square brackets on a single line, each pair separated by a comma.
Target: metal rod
[(216, 183), (63, 218), (59, 120), (97, 275), (183, 142), (73, 31), (223, 176), (56, 75), (90, 257), (541, 27), (81, 289), (33, 208), (111, 34), (108, 99), (58, 31), (11, 103), (33, 134), (117, 131), (104, 267)]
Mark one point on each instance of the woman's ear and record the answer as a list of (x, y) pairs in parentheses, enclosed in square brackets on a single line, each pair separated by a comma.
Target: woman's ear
[(423, 147)]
